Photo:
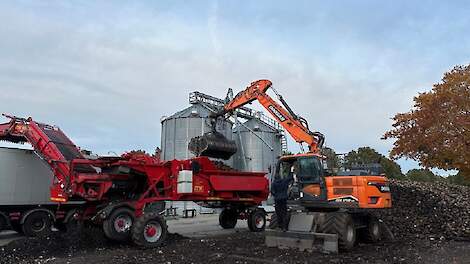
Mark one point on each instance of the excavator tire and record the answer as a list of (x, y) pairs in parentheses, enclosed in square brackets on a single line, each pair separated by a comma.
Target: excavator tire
[(149, 231), (373, 232), (341, 224), (273, 223)]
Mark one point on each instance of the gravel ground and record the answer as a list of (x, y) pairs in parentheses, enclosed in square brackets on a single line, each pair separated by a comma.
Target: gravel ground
[(241, 247)]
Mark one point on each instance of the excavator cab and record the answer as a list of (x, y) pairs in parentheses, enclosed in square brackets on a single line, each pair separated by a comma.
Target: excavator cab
[(308, 176)]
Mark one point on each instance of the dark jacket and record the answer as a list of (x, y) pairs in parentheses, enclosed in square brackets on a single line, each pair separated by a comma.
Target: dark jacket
[(279, 188)]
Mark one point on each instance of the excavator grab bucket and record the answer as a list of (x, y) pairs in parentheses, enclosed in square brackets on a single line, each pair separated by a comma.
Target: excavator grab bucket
[(213, 145)]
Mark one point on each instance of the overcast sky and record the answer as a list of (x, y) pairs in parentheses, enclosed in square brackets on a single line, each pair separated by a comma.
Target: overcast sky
[(107, 71)]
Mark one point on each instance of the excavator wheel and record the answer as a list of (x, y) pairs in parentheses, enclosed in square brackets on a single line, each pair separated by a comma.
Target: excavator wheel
[(341, 224), (273, 223), (119, 223), (373, 232), (257, 220), (228, 218), (149, 231)]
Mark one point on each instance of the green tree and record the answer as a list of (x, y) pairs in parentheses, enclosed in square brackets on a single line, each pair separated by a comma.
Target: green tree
[(367, 155), (332, 159), (458, 179), (422, 175)]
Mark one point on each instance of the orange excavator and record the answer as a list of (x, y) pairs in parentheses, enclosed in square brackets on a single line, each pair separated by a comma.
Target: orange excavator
[(336, 204)]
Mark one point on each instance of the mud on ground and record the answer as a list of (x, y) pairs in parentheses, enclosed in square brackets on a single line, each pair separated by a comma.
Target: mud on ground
[(240, 247)]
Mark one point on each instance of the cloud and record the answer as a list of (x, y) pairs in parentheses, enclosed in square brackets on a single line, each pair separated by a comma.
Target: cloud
[(106, 73)]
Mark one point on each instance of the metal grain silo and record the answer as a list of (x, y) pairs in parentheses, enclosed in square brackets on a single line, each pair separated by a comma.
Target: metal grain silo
[(178, 129), (259, 146)]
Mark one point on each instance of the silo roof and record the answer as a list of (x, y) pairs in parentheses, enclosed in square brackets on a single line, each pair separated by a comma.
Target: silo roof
[(252, 123), (201, 110)]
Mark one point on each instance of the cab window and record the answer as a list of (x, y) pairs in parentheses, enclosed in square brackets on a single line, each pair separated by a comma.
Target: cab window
[(284, 169), (310, 169)]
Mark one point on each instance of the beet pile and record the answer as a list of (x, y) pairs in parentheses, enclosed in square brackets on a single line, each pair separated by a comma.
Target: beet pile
[(428, 210)]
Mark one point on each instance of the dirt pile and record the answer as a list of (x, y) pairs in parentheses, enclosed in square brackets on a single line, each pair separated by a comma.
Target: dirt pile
[(429, 210)]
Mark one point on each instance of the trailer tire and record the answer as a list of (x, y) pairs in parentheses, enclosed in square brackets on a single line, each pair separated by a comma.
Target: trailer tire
[(119, 224), (341, 224), (37, 224), (228, 218), (149, 231), (257, 220)]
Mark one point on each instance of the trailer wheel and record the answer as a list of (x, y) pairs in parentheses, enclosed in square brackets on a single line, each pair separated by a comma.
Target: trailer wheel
[(119, 223), (257, 220), (37, 224), (341, 224), (373, 231), (228, 218), (149, 230)]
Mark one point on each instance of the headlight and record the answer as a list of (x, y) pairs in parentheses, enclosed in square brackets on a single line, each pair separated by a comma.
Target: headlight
[(382, 186)]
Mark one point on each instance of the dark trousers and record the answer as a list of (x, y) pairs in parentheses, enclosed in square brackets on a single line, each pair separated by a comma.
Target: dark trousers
[(281, 213)]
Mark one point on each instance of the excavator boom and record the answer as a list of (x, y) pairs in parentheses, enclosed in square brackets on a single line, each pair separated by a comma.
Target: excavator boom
[(295, 125)]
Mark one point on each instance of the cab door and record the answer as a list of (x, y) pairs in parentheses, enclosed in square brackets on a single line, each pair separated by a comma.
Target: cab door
[(311, 179)]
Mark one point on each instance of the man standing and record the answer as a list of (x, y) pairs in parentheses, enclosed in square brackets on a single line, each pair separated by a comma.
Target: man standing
[(279, 190)]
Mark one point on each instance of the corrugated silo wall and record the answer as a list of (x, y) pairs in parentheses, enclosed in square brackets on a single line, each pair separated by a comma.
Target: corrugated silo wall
[(258, 155), (177, 131)]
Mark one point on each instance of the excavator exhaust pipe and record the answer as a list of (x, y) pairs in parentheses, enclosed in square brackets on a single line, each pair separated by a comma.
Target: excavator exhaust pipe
[(214, 145)]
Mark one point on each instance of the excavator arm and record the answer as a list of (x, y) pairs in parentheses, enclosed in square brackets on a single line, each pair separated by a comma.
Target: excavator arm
[(295, 125)]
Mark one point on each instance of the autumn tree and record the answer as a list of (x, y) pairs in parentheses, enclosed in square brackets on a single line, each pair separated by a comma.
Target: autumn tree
[(436, 131)]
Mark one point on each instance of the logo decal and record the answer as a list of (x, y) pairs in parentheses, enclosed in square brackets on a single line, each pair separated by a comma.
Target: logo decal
[(345, 199), (278, 114)]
